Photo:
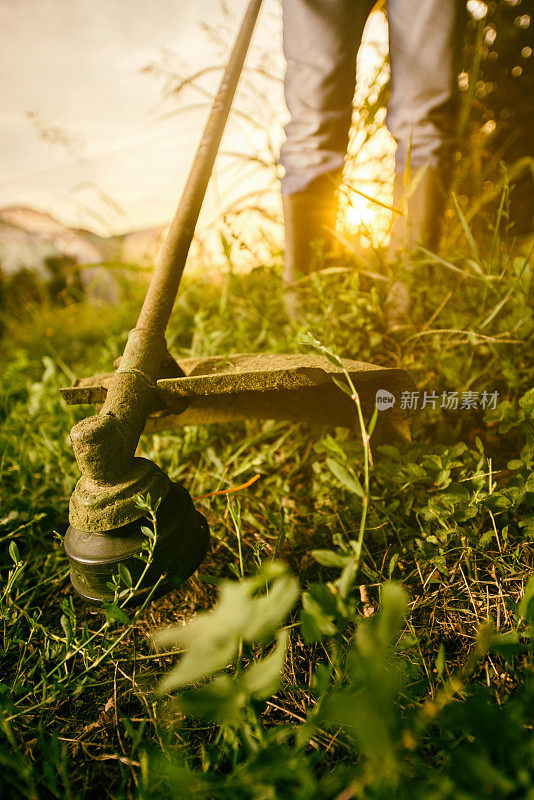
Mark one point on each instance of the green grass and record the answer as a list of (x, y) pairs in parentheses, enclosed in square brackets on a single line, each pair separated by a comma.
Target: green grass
[(370, 634)]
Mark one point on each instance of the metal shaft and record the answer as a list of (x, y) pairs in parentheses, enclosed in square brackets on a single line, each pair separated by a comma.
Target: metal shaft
[(165, 281)]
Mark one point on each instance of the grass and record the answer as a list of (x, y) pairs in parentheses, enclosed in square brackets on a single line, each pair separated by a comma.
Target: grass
[(370, 625)]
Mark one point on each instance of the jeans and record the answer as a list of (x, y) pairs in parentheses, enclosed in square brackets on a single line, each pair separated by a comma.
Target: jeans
[(321, 41)]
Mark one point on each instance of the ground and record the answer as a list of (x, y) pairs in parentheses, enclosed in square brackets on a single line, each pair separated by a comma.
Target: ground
[(407, 666)]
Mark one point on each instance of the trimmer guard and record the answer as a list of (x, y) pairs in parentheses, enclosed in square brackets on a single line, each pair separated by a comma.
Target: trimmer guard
[(292, 387)]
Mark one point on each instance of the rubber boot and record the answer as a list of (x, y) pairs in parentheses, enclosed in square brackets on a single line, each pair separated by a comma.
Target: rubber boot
[(309, 225), (424, 205), (420, 226)]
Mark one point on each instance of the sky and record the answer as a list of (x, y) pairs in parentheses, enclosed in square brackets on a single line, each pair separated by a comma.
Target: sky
[(76, 66)]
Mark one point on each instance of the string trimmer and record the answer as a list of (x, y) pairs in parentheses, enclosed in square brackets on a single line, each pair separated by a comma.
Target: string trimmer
[(149, 391)]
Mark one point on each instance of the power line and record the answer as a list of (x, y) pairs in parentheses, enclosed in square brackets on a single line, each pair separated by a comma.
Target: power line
[(66, 168)]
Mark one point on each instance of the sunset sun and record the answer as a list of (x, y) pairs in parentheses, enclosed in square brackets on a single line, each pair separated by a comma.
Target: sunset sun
[(359, 212)]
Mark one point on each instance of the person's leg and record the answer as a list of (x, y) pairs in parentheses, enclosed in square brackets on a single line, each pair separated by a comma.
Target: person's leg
[(321, 40), (424, 46)]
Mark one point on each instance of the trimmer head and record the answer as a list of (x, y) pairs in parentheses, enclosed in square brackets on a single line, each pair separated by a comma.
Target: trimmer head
[(298, 388), (182, 541)]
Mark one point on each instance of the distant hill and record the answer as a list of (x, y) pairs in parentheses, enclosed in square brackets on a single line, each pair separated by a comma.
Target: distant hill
[(85, 247), (32, 241), (30, 238)]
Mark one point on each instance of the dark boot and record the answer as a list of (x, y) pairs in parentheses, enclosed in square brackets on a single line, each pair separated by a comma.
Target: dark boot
[(424, 206), (421, 225), (309, 224)]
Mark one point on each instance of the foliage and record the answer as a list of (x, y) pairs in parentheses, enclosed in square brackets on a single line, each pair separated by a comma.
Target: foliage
[(498, 83), (371, 622), (363, 624)]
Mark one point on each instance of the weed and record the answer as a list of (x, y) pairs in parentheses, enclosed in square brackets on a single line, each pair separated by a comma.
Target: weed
[(371, 631)]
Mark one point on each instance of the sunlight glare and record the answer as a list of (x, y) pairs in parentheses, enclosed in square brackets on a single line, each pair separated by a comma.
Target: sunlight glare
[(359, 212)]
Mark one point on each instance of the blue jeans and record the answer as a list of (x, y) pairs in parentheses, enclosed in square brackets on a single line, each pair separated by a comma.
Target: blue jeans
[(321, 41)]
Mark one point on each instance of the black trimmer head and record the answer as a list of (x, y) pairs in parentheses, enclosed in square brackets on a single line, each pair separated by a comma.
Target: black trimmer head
[(182, 540)]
